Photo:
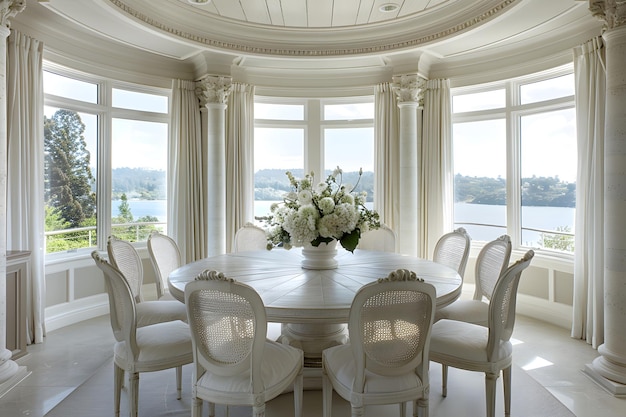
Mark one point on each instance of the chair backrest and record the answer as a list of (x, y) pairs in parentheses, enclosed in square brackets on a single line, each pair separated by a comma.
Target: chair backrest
[(381, 239), (228, 326), (249, 238), (502, 305), (122, 312), (491, 261), (452, 249), (124, 257), (389, 327), (165, 257)]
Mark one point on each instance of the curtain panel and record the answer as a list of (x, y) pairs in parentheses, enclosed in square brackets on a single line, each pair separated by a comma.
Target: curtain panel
[(186, 213), (25, 176), (386, 155), (239, 160), (588, 307), (436, 180)]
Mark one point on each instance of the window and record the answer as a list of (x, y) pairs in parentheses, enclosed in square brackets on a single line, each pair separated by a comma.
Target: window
[(514, 157), (300, 135), (89, 195)]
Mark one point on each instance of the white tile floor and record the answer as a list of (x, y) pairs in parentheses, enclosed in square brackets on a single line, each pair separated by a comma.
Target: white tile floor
[(72, 354)]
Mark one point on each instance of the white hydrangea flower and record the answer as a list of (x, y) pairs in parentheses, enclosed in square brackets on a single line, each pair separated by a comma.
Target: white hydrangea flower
[(305, 197), (326, 205), (325, 210), (347, 199)]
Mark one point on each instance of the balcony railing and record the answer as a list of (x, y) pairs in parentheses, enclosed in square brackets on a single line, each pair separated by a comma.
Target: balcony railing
[(85, 237)]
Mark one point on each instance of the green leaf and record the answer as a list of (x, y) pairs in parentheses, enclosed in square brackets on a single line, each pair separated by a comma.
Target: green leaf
[(349, 241), (316, 242)]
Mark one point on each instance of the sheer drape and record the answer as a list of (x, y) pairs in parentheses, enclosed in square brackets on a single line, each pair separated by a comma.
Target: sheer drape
[(588, 310), (386, 155), (239, 159), (436, 166), (186, 214), (25, 179)]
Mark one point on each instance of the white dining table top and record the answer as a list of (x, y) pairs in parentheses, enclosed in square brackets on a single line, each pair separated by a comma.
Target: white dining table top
[(292, 294)]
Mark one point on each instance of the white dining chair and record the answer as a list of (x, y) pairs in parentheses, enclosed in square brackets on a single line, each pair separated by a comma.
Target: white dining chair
[(165, 257), (125, 258), (234, 363), (250, 238), (452, 249), (147, 348), (478, 348), (491, 261), (386, 360), (381, 239)]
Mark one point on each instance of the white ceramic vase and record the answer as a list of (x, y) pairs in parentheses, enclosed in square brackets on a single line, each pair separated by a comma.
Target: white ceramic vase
[(320, 257)]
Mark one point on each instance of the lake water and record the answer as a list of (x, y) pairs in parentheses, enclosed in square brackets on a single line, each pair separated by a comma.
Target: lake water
[(141, 208), (546, 218)]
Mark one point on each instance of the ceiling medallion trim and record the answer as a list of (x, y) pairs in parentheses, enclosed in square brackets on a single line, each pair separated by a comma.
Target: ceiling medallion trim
[(242, 48)]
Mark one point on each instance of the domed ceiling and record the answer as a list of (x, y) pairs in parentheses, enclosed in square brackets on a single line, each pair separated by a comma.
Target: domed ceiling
[(318, 28), (313, 27), (271, 35)]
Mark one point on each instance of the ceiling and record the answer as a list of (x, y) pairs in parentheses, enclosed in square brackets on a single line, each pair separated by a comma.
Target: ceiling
[(316, 13), (319, 33)]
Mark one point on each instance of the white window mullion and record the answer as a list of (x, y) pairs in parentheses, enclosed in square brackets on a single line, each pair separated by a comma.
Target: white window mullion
[(104, 183), (313, 140)]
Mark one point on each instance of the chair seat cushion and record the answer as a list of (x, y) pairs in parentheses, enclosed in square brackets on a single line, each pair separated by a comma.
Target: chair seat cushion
[(152, 312), (470, 311), (279, 366), (340, 367), (465, 341), (160, 346)]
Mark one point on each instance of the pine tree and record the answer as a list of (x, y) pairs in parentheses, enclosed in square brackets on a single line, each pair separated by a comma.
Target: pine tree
[(124, 210), (68, 176)]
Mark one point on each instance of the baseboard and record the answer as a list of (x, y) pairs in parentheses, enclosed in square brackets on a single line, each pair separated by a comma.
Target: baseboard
[(66, 314), (554, 313)]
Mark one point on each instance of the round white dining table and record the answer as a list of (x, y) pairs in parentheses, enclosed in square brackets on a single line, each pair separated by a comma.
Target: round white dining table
[(314, 305), (292, 294)]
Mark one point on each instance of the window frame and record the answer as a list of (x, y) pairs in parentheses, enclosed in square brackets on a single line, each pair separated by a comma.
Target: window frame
[(512, 113), (105, 113)]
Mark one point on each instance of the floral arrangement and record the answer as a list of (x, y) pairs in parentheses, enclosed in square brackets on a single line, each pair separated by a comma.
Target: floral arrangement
[(320, 213)]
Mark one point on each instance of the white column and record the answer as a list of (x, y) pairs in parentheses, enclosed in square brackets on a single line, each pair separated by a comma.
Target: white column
[(213, 92), (409, 88), (609, 368), (10, 372)]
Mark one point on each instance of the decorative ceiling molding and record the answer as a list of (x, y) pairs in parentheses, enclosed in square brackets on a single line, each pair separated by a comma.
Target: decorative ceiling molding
[(302, 49)]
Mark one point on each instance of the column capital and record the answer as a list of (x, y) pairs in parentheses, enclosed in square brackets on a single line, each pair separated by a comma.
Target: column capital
[(213, 89), (409, 88), (611, 12), (8, 9)]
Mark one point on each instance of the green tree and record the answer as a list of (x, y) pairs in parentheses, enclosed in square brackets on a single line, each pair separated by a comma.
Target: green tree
[(67, 174), (53, 219), (558, 241), (125, 215)]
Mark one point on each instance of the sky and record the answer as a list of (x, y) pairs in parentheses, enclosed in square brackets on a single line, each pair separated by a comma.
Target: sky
[(548, 140)]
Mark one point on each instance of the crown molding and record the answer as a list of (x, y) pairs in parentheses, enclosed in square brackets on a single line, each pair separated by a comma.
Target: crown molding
[(212, 31)]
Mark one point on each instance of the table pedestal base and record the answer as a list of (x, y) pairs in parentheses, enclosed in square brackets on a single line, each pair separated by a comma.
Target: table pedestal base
[(313, 339)]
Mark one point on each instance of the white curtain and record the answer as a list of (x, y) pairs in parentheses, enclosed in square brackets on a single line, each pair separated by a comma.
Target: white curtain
[(588, 309), (239, 159), (386, 156), (25, 179), (186, 214), (436, 166)]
